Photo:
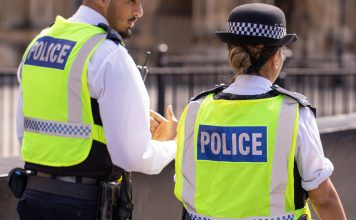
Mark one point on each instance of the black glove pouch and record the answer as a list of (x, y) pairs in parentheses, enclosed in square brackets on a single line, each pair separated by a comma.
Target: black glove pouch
[(17, 180), (116, 200), (107, 200), (124, 205)]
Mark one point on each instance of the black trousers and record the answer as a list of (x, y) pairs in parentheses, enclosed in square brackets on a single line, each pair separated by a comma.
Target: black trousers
[(34, 205)]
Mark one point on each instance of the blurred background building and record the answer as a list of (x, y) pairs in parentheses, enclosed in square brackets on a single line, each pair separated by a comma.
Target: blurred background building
[(326, 28)]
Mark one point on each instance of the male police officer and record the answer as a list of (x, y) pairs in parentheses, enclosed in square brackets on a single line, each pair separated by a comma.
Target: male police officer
[(252, 150), (83, 113)]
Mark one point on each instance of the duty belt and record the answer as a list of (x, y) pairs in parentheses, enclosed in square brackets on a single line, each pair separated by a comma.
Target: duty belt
[(72, 179), (63, 187)]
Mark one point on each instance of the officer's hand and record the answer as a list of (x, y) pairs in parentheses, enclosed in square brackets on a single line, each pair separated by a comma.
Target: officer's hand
[(162, 128)]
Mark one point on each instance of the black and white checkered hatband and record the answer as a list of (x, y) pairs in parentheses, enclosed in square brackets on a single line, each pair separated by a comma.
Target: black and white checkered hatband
[(257, 30)]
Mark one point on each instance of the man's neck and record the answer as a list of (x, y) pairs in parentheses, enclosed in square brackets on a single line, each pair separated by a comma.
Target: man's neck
[(86, 14)]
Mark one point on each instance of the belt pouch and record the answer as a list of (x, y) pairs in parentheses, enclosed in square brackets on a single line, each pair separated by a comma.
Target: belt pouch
[(17, 180), (109, 192), (124, 206)]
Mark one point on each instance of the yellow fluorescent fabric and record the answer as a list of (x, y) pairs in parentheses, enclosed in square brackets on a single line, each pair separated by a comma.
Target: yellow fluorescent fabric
[(216, 176), (57, 131), (179, 158), (228, 189)]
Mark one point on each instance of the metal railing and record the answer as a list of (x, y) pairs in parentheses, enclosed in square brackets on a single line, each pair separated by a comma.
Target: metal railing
[(8, 101), (332, 91)]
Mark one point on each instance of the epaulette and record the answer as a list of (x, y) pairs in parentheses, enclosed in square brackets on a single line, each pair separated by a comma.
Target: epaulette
[(112, 34), (216, 89), (301, 99)]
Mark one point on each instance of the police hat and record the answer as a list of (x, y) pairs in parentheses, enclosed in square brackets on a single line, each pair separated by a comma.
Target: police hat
[(256, 23)]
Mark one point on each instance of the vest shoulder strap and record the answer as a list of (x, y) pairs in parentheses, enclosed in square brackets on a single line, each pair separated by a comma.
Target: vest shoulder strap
[(111, 34), (216, 89), (300, 98)]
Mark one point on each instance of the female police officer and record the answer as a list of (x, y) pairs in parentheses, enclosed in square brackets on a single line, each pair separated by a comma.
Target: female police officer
[(252, 150)]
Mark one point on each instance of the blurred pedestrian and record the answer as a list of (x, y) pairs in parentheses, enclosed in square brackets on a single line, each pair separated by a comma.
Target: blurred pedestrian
[(252, 150)]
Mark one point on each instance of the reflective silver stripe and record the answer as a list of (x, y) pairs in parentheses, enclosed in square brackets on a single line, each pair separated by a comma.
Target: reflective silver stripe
[(20, 72), (283, 143), (188, 163), (75, 79), (286, 216), (58, 129)]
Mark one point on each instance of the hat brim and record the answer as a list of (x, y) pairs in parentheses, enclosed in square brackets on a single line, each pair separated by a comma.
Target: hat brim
[(235, 39)]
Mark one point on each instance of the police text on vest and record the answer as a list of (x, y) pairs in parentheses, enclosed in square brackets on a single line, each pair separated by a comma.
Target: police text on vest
[(50, 52), (234, 144)]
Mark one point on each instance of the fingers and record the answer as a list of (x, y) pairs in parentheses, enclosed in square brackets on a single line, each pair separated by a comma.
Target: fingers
[(169, 113), (153, 123), (161, 128), (156, 121), (159, 118)]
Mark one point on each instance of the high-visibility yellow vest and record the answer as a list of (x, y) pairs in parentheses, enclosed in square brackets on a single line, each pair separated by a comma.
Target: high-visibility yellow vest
[(59, 125), (235, 159)]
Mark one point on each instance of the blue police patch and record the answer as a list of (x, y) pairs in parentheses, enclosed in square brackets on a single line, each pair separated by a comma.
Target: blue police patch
[(50, 52), (232, 144)]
